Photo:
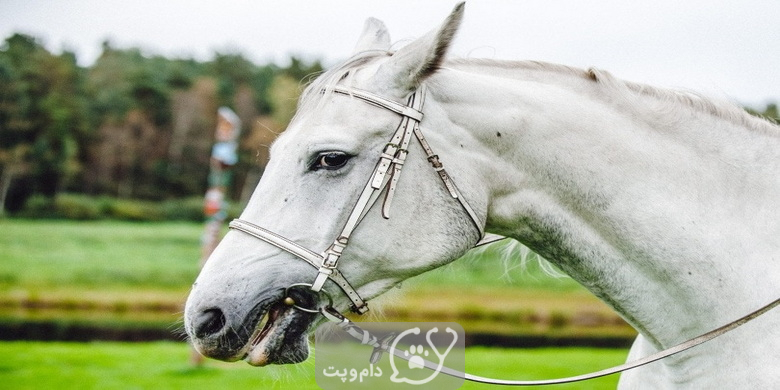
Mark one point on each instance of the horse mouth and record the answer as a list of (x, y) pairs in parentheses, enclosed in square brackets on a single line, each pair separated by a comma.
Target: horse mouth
[(280, 337)]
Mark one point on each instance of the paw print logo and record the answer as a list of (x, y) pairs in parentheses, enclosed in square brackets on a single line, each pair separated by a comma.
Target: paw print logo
[(416, 356)]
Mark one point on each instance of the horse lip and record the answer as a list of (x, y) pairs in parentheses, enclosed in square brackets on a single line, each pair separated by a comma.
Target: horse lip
[(271, 332), (262, 331), (282, 338), (225, 345)]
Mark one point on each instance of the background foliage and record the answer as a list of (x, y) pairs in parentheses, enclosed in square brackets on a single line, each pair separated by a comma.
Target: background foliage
[(131, 125)]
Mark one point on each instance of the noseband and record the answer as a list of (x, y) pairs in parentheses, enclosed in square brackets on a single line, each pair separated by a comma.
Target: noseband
[(384, 178)]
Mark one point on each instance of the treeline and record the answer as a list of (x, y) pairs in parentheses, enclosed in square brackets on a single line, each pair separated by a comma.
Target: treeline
[(131, 125)]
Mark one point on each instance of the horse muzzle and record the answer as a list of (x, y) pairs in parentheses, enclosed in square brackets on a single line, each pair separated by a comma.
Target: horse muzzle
[(270, 332)]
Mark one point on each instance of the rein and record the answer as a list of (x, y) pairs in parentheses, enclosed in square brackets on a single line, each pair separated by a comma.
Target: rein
[(385, 345), (385, 179)]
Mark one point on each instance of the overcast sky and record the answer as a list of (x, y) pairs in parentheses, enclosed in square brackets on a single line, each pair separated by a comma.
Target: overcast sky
[(723, 48)]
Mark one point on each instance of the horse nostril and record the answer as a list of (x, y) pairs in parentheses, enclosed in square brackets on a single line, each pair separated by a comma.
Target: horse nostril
[(209, 322)]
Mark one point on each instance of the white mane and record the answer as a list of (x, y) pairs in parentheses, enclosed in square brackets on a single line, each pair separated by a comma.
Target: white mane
[(670, 101)]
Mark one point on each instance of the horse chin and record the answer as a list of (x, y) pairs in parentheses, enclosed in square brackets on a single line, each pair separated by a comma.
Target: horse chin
[(281, 338)]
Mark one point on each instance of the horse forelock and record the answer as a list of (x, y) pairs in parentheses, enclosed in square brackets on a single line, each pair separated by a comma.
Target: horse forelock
[(320, 88)]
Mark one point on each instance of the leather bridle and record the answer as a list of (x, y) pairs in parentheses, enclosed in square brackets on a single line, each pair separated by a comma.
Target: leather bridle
[(384, 178)]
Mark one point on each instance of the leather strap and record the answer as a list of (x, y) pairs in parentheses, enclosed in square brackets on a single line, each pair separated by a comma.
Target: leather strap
[(391, 161), (366, 338), (381, 102), (299, 251), (445, 178)]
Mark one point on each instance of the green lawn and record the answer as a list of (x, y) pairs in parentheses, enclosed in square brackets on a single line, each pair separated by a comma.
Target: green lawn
[(103, 270), (129, 273), (113, 254), (42, 254), (165, 365)]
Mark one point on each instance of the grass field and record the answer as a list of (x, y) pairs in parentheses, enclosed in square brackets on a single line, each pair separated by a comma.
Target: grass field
[(104, 255), (112, 268), (112, 255), (105, 270), (126, 273), (164, 365)]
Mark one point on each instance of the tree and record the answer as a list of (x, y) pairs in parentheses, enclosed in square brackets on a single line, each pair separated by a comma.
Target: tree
[(42, 116), (132, 125), (133, 112)]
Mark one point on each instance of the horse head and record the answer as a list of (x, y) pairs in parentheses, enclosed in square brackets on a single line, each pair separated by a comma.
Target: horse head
[(316, 175)]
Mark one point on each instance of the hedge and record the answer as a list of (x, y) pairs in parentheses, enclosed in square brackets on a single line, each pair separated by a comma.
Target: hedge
[(85, 207)]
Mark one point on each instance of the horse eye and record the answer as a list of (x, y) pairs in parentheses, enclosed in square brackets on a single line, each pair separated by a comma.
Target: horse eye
[(330, 160)]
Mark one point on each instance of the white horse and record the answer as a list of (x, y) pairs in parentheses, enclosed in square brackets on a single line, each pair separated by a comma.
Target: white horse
[(664, 204)]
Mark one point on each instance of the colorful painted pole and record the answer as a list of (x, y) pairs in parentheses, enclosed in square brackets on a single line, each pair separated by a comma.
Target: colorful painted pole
[(224, 155)]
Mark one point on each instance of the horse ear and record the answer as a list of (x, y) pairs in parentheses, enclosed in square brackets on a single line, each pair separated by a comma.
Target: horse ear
[(374, 37), (408, 67)]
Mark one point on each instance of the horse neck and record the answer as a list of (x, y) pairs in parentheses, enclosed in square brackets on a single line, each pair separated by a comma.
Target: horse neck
[(669, 217)]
